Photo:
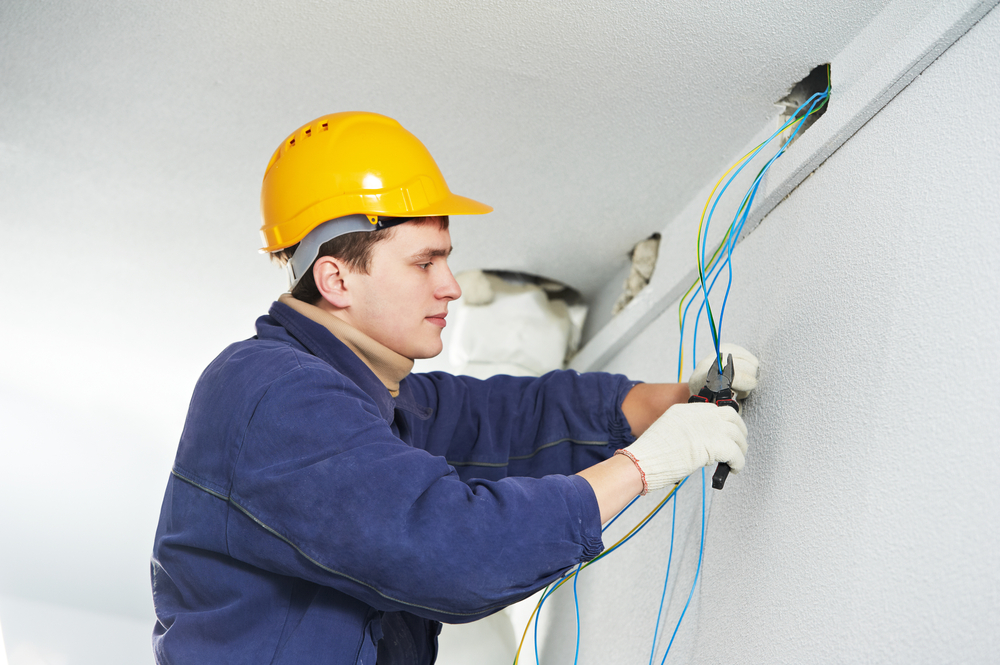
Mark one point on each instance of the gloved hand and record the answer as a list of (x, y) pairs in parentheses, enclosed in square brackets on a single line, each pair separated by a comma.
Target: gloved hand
[(684, 439), (745, 366)]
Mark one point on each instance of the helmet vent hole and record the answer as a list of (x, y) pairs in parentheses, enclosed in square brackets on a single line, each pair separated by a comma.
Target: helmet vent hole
[(309, 131), (291, 143), (325, 126)]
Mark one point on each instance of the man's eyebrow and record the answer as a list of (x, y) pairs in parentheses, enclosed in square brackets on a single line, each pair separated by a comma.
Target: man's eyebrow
[(430, 253)]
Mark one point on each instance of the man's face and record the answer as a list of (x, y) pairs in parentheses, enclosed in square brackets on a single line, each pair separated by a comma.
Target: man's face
[(403, 301)]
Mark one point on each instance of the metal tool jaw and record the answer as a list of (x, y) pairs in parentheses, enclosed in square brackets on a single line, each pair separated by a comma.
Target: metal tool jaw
[(718, 390), (719, 382)]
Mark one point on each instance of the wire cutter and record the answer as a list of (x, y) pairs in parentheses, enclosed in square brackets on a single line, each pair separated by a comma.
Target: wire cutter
[(718, 389)]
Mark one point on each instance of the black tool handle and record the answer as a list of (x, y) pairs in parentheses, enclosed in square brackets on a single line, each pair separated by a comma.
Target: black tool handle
[(720, 475), (722, 470)]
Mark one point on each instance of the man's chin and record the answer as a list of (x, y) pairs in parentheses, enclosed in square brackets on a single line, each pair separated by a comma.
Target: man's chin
[(426, 352)]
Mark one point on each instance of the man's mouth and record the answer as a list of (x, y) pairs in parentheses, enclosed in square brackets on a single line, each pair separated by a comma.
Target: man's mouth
[(438, 319)]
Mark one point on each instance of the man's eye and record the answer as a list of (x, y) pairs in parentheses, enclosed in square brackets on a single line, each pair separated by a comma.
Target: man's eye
[(424, 266)]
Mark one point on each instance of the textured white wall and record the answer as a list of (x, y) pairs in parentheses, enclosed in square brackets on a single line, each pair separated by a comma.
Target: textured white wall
[(133, 136), (864, 528)]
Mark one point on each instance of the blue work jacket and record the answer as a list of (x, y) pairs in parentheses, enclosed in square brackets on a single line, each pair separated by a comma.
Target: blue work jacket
[(310, 517)]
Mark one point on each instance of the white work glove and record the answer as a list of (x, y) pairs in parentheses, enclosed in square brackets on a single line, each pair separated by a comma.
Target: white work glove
[(686, 438), (745, 366)]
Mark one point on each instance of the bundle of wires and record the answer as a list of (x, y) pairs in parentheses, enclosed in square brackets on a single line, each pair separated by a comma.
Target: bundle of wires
[(709, 270)]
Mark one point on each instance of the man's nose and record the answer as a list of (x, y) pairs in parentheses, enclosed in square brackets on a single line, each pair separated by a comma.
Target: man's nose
[(449, 288)]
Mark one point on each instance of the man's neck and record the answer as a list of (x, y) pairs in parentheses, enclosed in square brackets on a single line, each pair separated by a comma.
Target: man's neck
[(389, 366)]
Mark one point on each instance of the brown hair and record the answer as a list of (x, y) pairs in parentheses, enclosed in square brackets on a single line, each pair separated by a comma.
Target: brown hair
[(354, 249)]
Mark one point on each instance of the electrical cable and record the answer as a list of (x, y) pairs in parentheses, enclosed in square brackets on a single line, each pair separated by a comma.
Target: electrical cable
[(576, 604), (721, 259), (620, 513), (697, 572), (666, 578), (812, 106), (738, 221), (549, 590)]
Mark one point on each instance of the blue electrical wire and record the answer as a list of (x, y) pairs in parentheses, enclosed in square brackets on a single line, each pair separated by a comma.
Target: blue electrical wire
[(576, 603), (576, 599), (666, 578), (745, 207), (548, 592), (697, 572), (736, 227), (708, 222), (723, 261), (620, 513), (538, 619)]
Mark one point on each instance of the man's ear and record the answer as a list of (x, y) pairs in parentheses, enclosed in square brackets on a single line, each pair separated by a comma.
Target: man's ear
[(329, 274)]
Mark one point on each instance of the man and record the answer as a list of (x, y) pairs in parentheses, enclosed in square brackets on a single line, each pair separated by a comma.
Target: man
[(326, 506)]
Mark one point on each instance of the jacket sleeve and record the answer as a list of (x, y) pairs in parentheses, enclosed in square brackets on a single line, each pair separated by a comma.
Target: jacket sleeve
[(323, 489), (503, 426)]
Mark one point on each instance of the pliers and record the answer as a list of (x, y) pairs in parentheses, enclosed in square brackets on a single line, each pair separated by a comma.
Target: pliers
[(718, 390)]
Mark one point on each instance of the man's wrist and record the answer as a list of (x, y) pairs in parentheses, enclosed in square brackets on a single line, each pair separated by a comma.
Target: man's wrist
[(642, 474), (615, 482), (648, 401)]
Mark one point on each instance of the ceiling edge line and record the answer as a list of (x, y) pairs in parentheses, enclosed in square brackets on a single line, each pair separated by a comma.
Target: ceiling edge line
[(889, 76)]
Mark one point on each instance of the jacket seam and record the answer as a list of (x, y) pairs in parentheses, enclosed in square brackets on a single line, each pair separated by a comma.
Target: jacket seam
[(192, 481), (321, 566), (243, 435), (519, 458)]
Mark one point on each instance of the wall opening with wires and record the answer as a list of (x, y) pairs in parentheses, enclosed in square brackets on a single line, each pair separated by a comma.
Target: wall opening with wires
[(814, 83), (855, 534)]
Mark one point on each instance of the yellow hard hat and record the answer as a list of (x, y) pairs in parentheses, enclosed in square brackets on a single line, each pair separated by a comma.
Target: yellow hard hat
[(351, 164)]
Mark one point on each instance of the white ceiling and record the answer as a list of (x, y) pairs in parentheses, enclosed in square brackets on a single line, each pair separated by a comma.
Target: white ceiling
[(133, 137)]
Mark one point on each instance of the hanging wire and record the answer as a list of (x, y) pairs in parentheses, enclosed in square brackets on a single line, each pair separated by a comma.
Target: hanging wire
[(721, 258), (697, 572), (736, 227), (666, 578), (576, 604), (812, 106), (549, 590)]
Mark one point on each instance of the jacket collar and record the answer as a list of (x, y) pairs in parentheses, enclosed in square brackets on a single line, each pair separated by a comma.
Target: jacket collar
[(389, 366), (318, 341)]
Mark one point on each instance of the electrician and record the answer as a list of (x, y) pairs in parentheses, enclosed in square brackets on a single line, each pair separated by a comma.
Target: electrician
[(327, 506)]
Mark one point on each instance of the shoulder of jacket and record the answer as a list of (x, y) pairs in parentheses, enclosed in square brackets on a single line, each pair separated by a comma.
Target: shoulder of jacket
[(263, 362)]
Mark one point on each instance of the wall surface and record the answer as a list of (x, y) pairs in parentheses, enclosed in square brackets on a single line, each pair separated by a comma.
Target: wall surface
[(37, 633), (132, 141), (864, 528)]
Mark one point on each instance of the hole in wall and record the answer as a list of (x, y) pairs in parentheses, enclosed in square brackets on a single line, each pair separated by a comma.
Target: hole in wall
[(513, 323), (643, 257), (817, 81)]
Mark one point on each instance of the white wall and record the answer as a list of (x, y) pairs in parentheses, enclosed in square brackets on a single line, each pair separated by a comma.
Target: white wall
[(864, 528), (89, 431), (37, 633)]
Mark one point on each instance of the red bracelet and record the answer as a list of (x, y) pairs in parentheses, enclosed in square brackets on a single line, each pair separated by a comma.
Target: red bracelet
[(645, 487)]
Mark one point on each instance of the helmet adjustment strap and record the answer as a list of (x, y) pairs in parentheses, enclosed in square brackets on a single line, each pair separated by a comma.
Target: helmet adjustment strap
[(308, 249)]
